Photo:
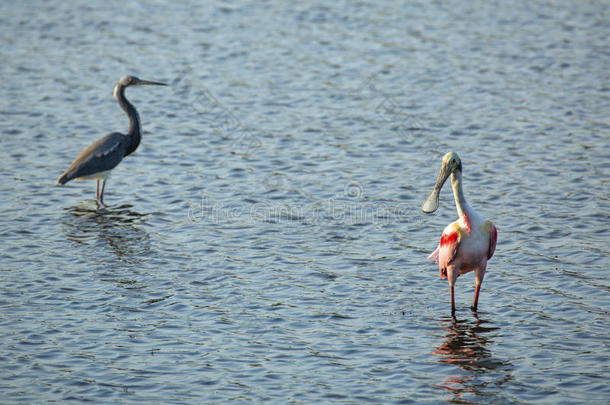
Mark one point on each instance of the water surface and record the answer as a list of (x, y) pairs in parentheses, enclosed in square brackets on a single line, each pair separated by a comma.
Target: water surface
[(265, 242)]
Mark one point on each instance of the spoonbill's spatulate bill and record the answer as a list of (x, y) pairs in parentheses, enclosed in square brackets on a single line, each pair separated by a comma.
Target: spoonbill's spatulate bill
[(466, 244), (99, 158)]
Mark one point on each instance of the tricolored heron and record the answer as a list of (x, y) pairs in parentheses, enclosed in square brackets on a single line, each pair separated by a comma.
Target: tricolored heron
[(466, 244), (98, 159)]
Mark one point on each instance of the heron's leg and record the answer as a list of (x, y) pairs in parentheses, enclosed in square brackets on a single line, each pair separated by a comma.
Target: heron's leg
[(102, 191), (97, 189)]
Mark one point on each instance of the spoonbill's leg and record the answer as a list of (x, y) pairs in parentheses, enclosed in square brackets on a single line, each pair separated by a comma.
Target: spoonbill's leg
[(475, 300), (479, 275), (452, 275), (452, 301)]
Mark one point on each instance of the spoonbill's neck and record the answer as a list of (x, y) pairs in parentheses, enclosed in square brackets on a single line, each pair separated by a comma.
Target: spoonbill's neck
[(463, 208)]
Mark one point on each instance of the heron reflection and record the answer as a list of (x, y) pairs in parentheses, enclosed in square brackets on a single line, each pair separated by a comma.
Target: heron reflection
[(118, 229)]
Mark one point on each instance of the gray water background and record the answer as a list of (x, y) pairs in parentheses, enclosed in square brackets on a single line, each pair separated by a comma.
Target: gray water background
[(265, 243)]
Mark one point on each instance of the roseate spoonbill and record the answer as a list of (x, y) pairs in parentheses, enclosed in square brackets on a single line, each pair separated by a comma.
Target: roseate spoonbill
[(98, 159), (466, 244)]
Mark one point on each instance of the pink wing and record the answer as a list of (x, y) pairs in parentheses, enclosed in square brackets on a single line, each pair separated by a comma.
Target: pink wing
[(446, 251), (493, 238), (434, 255), (448, 248)]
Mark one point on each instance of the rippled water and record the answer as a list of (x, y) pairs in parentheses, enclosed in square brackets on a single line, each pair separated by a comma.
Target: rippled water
[(265, 243)]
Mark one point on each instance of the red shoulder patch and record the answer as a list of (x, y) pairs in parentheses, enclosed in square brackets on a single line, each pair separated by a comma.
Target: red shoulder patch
[(449, 239)]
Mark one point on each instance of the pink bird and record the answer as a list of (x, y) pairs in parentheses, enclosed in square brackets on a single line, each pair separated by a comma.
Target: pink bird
[(466, 244)]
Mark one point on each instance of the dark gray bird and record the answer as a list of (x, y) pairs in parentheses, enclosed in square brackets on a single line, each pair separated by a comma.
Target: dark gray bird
[(103, 155)]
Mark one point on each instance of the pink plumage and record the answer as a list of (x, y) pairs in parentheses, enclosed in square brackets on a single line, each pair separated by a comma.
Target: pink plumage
[(466, 244)]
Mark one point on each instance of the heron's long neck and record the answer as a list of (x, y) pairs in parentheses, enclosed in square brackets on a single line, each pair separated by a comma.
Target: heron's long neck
[(463, 208), (134, 120)]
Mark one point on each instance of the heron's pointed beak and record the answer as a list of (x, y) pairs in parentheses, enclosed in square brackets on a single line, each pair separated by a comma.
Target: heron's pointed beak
[(431, 203), (148, 82)]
